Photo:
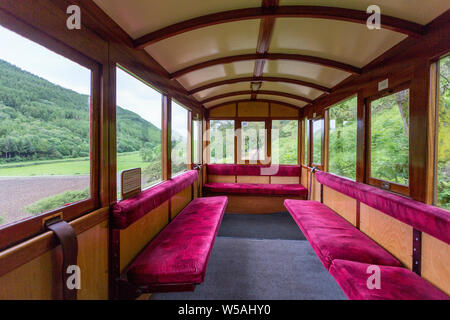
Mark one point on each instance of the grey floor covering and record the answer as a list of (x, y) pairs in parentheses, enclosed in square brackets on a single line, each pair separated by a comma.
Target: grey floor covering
[(260, 226), (262, 269)]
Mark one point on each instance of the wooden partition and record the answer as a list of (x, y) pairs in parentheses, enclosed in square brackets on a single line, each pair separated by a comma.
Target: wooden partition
[(29, 270)]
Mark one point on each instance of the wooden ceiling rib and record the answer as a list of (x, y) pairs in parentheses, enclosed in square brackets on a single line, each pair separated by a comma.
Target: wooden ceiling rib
[(257, 100), (269, 56), (261, 79), (319, 12), (266, 92)]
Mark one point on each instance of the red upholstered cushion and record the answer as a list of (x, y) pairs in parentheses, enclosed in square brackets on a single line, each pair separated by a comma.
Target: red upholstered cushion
[(130, 210), (257, 189), (396, 283), (254, 170), (332, 237), (180, 253), (432, 220)]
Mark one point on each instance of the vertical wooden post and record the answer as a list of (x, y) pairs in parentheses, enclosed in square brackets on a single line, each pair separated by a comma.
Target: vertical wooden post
[(190, 154), (310, 142), (301, 142), (166, 137), (326, 139), (361, 139), (268, 137), (418, 133)]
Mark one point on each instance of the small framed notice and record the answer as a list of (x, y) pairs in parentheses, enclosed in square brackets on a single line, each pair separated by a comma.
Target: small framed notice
[(130, 183)]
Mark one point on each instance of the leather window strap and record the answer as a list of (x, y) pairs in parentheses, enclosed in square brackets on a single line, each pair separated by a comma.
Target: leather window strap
[(69, 244)]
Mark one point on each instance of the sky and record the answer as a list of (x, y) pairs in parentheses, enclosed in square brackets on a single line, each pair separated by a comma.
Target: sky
[(132, 94)]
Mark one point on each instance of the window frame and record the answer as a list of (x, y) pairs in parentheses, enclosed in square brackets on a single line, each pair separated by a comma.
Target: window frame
[(20, 230), (328, 119), (238, 141), (383, 184), (188, 139), (296, 136), (208, 149), (320, 166)]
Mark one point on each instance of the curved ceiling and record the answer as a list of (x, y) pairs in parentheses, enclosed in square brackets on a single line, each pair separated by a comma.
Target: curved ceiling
[(298, 49)]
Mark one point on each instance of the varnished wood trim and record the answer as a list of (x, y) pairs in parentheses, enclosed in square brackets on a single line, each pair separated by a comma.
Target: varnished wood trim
[(269, 56), (320, 12), (257, 100), (265, 92)]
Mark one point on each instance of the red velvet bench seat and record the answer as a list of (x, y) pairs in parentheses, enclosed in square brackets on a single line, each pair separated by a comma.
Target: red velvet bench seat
[(295, 190), (332, 237), (177, 258), (395, 283)]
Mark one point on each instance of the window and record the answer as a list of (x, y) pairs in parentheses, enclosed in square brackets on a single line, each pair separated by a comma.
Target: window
[(284, 141), (253, 140), (305, 153), (138, 126), (342, 145), (317, 141), (221, 141), (179, 138), (45, 107), (196, 141), (443, 142), (389, 138)]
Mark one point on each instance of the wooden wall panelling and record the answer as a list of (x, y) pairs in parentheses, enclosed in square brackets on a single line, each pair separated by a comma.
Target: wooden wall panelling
[(392, 234), (229, 110), (253, 179), (436, 262), (134, 238), (28, 270), (179, 201), (340, 203), (221, 179), (304, 177), (253, 109), (284, 180), (256, 204), (278, 111), (315, 195)]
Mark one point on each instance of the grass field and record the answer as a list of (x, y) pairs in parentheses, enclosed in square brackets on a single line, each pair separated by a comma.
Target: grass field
[(65, 167)]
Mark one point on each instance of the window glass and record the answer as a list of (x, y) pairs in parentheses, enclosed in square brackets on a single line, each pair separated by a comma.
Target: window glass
[(317, 141), (305, 154), (196, 141), (342, 148), (443, 145), (253, 142), (389, 133), (284, 141), (138, 128), (221, 141), (179, 138), (44, 129)]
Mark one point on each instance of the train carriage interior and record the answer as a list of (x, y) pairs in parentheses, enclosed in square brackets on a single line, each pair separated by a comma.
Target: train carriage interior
[(224, 150)]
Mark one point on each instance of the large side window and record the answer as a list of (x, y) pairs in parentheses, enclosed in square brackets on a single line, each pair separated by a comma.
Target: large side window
[(389, 138), (284, 141), (179, 138), (196, 141), (45, 125), (342, 142), (317, 141), (138, 121), (443, 131), (253, 141), (221, 141)]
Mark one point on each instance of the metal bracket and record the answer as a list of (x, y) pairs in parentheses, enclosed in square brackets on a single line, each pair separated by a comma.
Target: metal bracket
[(417, 251)]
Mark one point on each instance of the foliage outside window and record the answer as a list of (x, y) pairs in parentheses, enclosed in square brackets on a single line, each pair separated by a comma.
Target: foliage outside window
[(284, 141), (221, 141), (179, 138), (305, 153), (342, 145), (443, 145), (44, 129), (253, 140), (138, 128), (317, 141), (389, 132)]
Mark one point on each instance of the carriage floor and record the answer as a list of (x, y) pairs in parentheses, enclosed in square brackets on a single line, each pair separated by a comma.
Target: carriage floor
[(262, 257)]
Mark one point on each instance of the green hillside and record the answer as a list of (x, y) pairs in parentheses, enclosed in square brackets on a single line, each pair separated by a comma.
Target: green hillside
[(43, 121)]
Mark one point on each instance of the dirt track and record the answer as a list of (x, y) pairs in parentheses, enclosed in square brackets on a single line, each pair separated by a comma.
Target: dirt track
[(18, 192)]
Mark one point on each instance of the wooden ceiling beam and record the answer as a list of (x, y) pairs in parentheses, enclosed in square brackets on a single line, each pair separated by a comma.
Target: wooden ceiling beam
[(250, 92), (269, 56), (257, 100), (319, 12)]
